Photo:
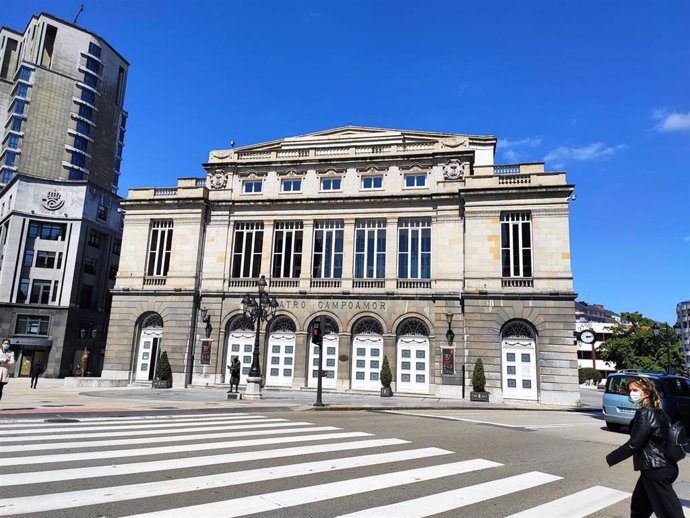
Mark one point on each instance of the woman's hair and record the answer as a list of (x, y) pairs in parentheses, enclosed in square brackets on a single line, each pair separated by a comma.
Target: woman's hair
[(648, 386)]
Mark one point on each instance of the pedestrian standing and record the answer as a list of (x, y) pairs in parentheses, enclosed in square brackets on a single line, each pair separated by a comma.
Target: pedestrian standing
[(654, 489), (6, 361), (36, 371)]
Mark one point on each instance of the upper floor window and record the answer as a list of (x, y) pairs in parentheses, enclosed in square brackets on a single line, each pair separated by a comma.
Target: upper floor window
[(29, 257), (94, 49), (291, 185), (23, 291), (13, 141), (415, 180), (80, 143), (10, 159), (40, 291), (370, 249), (49, 231), (252, 186), (88, 96), (94, 238), (47, 259), (516, 244), (25, 74), (117, 246), (112, 272), (328, 249), (247, 248), (331, 184), (83, 127), (23, 90), (102, 213), (287, 249), (19, 106), (75, 174), (414, 248), (85, 111), (160, 247), (90, 265), (16, 124), (372, 182), (91, 80), (93, 65), (32, 325)]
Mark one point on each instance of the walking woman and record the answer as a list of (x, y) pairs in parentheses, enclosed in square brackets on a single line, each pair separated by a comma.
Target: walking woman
[(6, 361), (654, 489)]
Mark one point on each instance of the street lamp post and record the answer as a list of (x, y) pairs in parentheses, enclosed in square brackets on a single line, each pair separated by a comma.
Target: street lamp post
[(85, 335), (450, 337), (257, 309)]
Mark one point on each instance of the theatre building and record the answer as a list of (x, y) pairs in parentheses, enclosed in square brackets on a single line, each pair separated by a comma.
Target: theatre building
[(390, 238)]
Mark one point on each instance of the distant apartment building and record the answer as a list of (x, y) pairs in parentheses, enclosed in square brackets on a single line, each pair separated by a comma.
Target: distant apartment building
[(62, 92), (594, 324), (683, 319)]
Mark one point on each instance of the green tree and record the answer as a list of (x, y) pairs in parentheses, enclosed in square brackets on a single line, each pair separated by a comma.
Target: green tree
[(163, 370), (636, 347), (386, 374), (478, 376)]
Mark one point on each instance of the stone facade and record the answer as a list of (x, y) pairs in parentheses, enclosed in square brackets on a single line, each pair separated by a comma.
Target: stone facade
[(385, 234)]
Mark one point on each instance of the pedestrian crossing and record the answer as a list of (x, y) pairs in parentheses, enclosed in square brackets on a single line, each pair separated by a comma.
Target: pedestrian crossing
[(188, 465)]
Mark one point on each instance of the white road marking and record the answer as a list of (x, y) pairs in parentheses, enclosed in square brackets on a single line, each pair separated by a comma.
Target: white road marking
[(305, 495), (180, 435), (449, 500), (578, 505), (71, 499), (38, 477), (163, 450), (493, 423), (80, 421)]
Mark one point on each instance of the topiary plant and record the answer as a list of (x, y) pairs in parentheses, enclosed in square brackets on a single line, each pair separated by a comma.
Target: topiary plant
[(588, 373), (478, 377), (386, 374), (163, 370)]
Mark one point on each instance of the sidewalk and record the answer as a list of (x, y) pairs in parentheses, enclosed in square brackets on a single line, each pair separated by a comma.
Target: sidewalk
[(54, 398)]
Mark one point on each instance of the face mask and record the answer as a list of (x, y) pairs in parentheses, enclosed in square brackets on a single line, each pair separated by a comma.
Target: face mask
[(5, 347), (635, 396)]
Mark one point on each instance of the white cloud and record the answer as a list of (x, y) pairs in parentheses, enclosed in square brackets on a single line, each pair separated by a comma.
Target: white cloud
[(512, 156), (671, 121), (594, 151), (686, 239), (525, 142)]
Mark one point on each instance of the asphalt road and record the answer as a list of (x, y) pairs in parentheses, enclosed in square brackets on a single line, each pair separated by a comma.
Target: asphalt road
[(103, 468)]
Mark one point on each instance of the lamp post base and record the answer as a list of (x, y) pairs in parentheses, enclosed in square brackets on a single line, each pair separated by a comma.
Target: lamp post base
[(253, 388)]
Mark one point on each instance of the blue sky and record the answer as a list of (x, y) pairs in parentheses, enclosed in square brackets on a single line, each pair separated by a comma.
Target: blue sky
[(600, 89)]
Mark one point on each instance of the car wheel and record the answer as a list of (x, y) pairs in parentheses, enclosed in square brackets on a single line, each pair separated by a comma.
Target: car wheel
[(614, 427)]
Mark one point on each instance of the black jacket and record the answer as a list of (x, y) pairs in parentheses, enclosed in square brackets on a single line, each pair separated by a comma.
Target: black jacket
[(646, 443)]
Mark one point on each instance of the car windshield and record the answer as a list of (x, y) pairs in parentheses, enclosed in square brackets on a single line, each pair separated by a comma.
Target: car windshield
[(678, 387), (619, 385)]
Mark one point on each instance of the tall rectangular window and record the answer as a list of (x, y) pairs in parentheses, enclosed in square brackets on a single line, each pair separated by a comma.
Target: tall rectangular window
[(328, 249), (94, 49), (93, 65), (370, 249), (48, 46), (287, 249), (85, 111), (32, 325), (83, 127), (40, 292), (45, 259), (160, 247), (516, 244), (94, 238), (246, 253), (29, 258), (16, 124), (91, 80), (23, 292), (414, 248), (88, 96)]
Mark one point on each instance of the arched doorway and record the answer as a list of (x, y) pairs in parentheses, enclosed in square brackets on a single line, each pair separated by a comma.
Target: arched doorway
[(241, 344), (148, 350), (413, 356), (281, 352), (330, 355), (518, 359), (367, 354)]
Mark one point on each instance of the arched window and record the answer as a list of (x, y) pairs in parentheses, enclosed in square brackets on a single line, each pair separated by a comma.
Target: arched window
[(283, 325), (413, 326), (517, 329), (153, 320), (367, 326), (241, 323)]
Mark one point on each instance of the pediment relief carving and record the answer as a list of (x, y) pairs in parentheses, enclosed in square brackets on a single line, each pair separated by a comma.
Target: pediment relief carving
[(331, 171), (252, 174), (461, 142), (222, 155), (291, 173), (414, 168), (372, 170)]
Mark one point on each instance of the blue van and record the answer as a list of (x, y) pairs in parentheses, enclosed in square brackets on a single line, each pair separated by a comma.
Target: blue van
[(619, 410)]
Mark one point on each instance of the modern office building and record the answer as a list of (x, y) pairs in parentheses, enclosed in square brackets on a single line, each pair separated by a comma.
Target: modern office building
[(409, 245), (683, 319), (63, 125)]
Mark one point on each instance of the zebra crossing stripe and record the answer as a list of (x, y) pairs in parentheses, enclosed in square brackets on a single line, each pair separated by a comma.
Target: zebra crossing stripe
[(39, 477), (179, 435), (81, 421), (577, 505), (449, 500), (71, 499), (162, 450), (281, 499), (143, 426)]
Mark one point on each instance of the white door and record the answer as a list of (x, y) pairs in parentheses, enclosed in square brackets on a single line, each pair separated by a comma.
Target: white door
[(519, 368), (367, 356), (281, 359), (330, 362), (413, 364), (241, 345), (149, 343)]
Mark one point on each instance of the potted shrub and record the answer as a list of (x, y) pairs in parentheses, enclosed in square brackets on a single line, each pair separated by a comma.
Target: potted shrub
[(479, 383), (386, 378), (163, 377)]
